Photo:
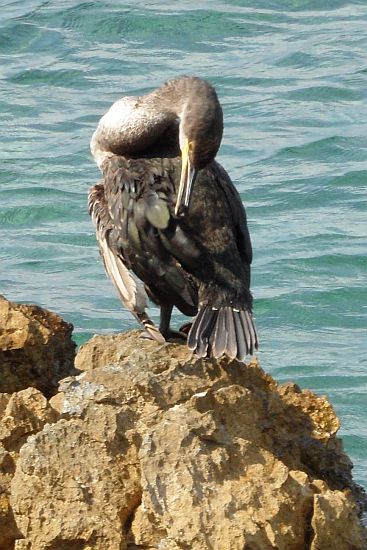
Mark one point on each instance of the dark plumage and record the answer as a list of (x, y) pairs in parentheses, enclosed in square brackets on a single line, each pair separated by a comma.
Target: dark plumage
[(177, 225)]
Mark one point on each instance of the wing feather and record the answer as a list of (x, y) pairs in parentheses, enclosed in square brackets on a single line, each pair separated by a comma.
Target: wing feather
[(128, 286)]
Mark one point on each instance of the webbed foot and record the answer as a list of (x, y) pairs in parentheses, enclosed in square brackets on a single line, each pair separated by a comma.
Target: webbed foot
[(171, 334), (150, 335), (186, 328)]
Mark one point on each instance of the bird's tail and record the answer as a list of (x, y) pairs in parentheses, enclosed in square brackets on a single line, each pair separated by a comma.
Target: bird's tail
[(224, 331)]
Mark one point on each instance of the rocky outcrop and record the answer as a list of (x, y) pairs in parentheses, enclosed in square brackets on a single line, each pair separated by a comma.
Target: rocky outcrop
[(152, 448), (21, 414), (36, 348), (36, 351)]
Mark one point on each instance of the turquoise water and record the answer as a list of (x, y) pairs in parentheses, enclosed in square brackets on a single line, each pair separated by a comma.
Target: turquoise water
[(292, 78)]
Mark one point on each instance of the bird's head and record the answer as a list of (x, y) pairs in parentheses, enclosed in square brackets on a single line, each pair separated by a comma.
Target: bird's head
[(200, 135)]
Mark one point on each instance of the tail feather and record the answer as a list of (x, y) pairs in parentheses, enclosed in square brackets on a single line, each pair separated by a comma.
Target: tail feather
[(252, 342), (227, 331), (231, 350), (192, 339), (242, 346), (207, 326), (219, 343), (246, 331)]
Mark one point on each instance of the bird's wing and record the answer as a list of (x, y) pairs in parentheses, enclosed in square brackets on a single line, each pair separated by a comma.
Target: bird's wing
[(238, 212), (128, 286), (138, 202), (224, 323)]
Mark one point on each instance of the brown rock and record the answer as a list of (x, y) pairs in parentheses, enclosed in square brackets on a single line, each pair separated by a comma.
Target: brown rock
[(21, 414), (8, 529), (333, 510), (35, 348), (157, 449)]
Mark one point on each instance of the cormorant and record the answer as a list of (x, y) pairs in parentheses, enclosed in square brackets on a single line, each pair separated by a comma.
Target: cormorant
[(177, 225)]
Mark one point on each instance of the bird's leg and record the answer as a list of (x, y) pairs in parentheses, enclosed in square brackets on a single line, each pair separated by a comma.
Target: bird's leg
[(164, 328), (166, 312)]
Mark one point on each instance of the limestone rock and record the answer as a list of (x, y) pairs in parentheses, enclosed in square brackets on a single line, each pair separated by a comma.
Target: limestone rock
[(35, 348), (157, 449), (21, 414), (333, 511)]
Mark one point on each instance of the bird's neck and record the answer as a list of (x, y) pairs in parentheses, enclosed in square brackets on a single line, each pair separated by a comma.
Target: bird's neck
[(99, 152)]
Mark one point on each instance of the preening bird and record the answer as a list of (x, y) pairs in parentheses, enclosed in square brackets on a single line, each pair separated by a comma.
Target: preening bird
[(169, 222)]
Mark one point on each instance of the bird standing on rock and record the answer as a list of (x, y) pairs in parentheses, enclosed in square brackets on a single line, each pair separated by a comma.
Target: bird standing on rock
[(177, 225)]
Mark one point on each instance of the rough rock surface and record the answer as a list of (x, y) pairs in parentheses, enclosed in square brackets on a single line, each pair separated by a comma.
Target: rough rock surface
[(35, 348), (155, 449), (21, 414)]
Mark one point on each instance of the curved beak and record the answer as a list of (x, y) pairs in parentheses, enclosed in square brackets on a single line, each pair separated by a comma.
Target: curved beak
[(188, 175)]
